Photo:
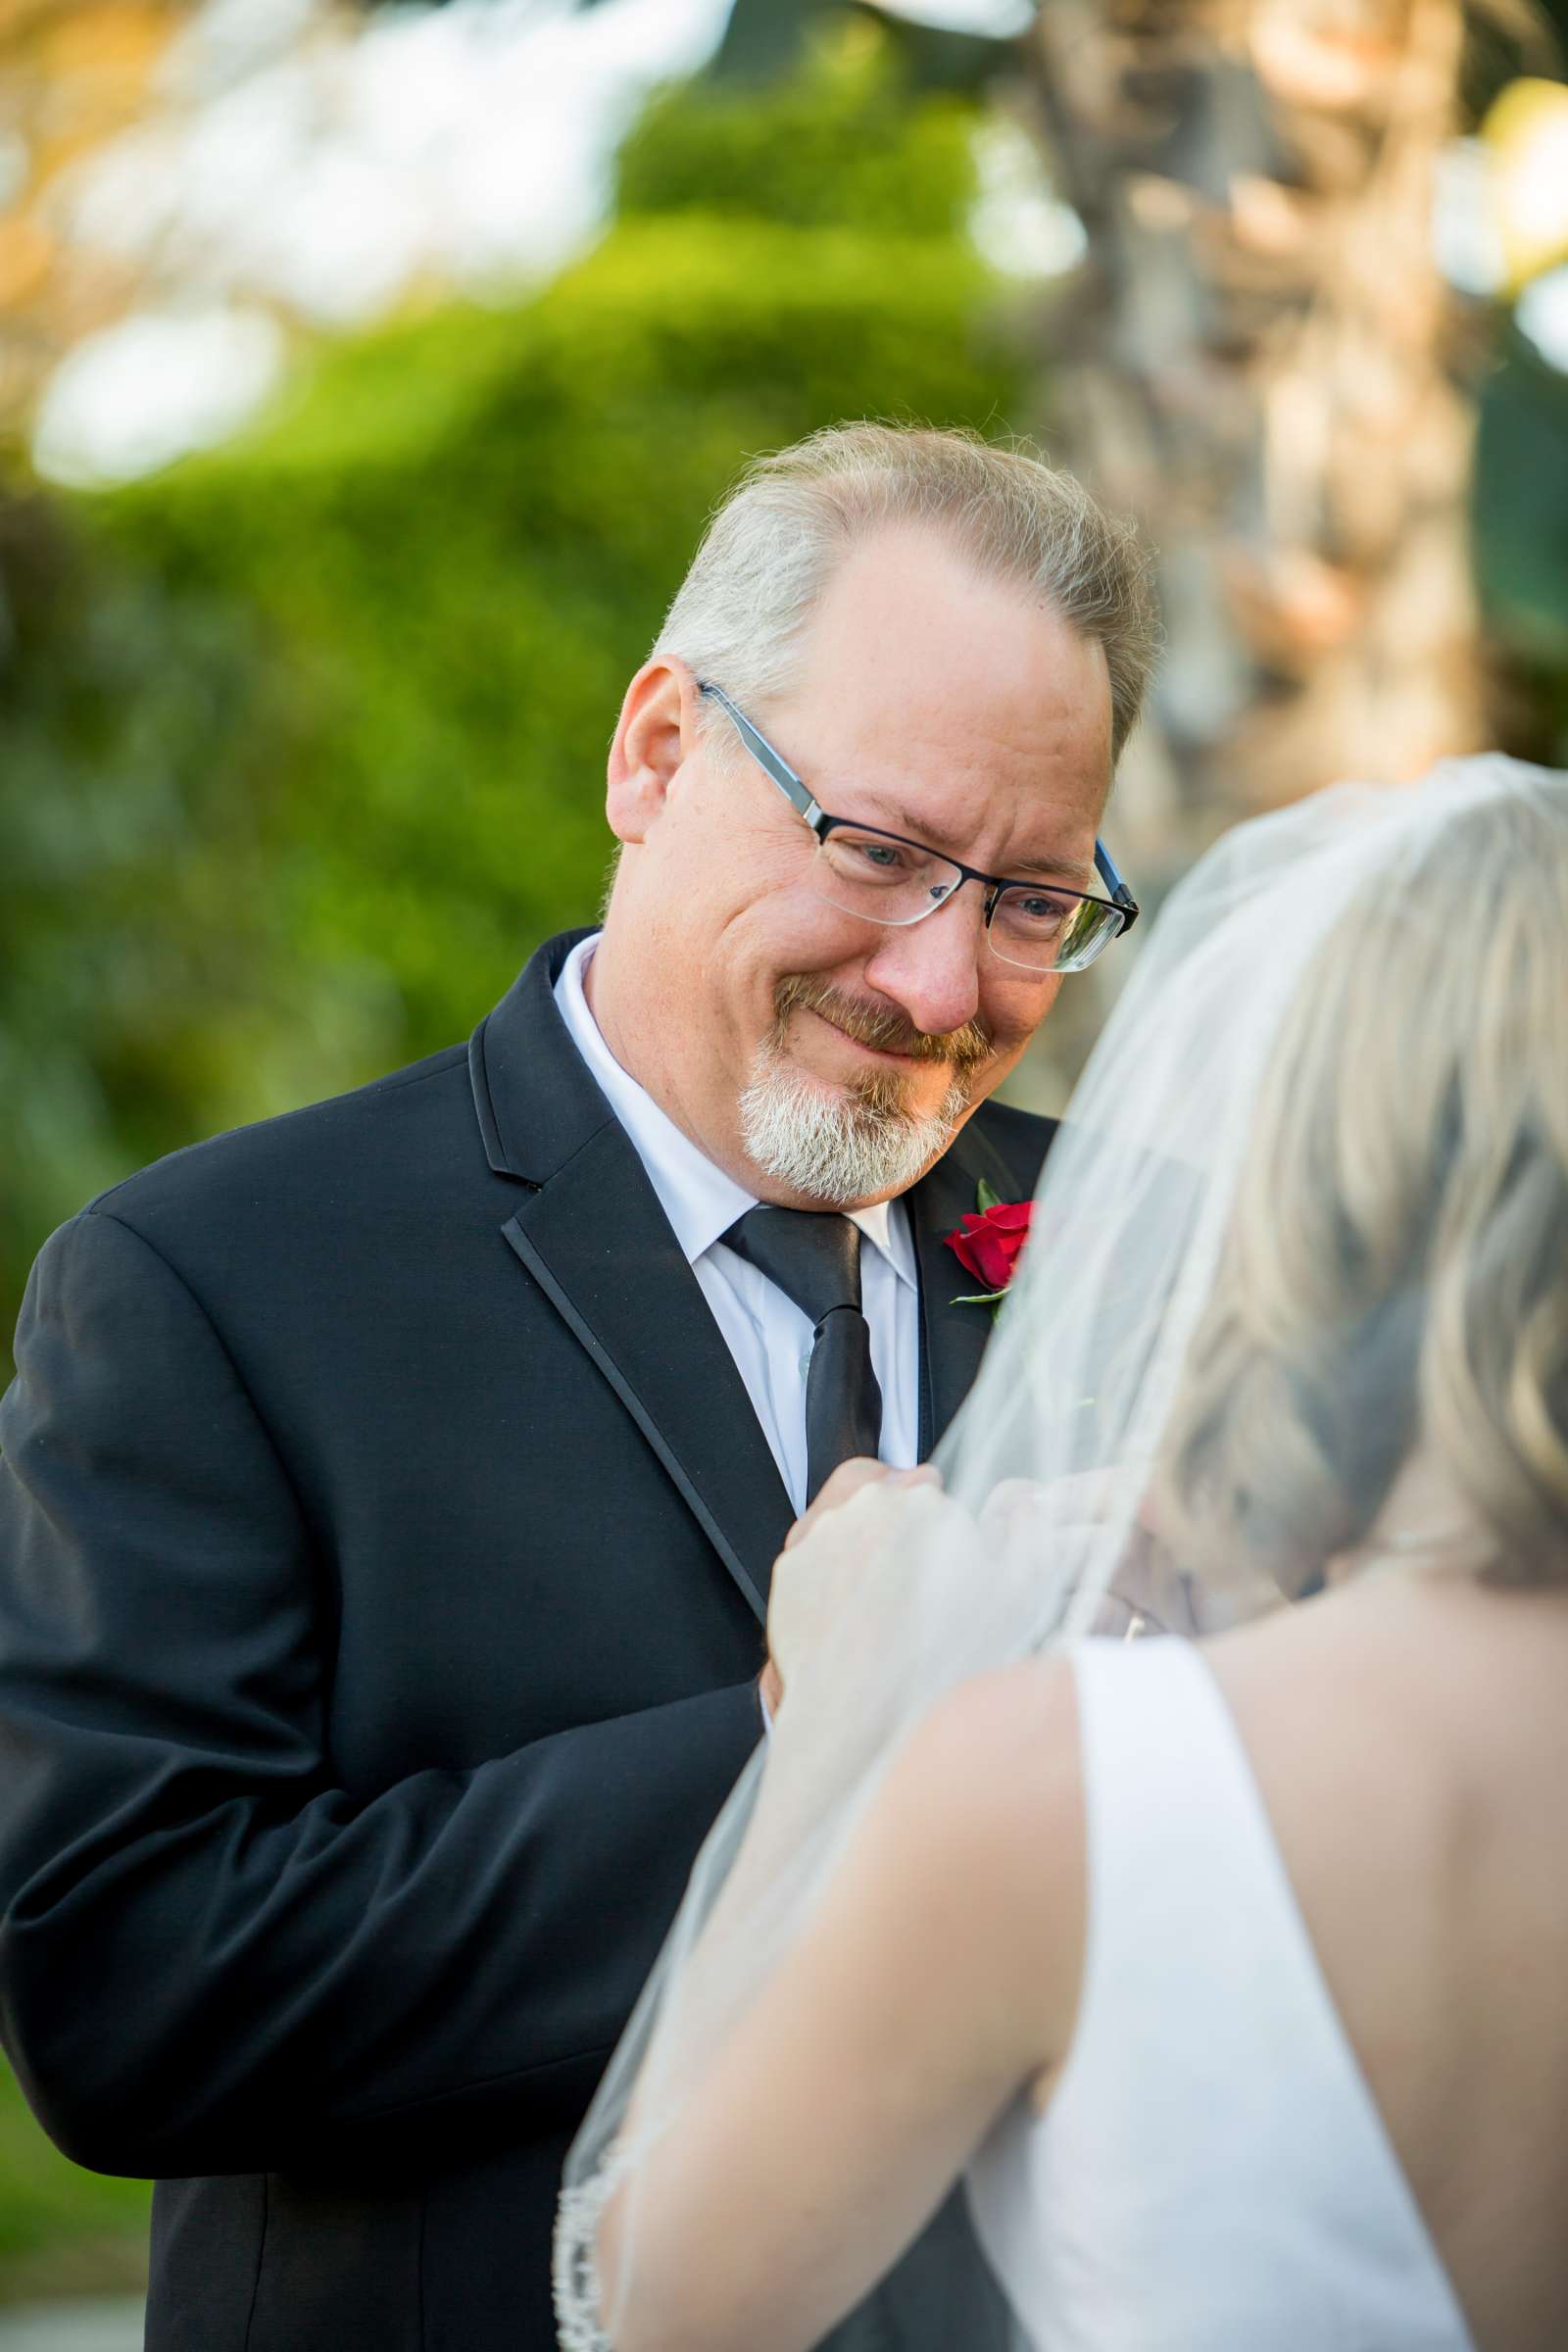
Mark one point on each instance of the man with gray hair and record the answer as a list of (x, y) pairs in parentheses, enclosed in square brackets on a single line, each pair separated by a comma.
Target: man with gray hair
[(390, 1491)]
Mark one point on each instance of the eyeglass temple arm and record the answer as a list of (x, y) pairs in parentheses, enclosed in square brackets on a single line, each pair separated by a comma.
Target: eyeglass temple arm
[(1120, 894), (798, 795)]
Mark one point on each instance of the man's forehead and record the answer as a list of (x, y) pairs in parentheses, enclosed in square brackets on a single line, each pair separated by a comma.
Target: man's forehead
[(938, 742), (955, 666)]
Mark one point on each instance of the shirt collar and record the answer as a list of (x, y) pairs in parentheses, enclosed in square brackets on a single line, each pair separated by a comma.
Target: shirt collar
[(701, 1201)]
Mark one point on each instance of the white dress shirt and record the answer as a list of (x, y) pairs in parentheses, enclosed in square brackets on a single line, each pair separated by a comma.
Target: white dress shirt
[(765, 1332)]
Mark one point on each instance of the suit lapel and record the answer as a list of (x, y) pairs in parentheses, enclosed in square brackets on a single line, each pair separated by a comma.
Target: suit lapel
[(952, 1338), (591, 1234), (597, 1244)]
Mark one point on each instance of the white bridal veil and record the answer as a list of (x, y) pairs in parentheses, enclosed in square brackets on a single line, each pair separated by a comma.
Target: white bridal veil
[(1048, 1470)]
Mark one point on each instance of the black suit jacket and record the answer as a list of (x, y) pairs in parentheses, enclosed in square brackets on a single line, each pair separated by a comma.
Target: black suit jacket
[(384, 1548)]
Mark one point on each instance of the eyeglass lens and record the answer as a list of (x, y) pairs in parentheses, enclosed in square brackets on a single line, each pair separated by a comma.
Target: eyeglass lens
[(886, 881)]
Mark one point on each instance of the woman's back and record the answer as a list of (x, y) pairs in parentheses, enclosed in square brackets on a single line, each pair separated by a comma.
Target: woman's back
[(1320, 2067), (1408, 1735)]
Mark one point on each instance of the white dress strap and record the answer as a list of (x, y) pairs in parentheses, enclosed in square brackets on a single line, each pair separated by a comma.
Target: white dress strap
[(1212, 2174)]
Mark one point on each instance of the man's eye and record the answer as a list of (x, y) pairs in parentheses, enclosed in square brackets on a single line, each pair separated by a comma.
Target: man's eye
[(1040, 911), (871, 859)]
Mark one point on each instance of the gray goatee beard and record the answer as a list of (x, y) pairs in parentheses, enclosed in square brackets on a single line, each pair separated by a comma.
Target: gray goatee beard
[(859, 1142)]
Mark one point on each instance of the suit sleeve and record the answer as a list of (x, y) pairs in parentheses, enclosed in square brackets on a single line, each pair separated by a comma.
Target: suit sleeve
[(210, 1958)]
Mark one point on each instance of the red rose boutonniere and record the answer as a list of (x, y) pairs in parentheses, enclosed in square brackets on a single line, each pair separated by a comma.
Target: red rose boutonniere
[(987, 1245)]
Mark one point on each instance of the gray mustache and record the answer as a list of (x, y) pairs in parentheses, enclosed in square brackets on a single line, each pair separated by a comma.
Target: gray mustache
[(875, 1026)]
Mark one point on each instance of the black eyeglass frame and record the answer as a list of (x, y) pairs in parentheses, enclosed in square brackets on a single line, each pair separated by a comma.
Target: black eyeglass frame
[(804, 802)]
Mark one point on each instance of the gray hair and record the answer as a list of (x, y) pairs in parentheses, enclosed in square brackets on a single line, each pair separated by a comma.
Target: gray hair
[(743, 614)]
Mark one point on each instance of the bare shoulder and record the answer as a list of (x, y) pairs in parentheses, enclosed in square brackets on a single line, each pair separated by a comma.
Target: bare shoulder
[(1393, 1657), (1444, 1693), (1009, 1735), (989, 1795)]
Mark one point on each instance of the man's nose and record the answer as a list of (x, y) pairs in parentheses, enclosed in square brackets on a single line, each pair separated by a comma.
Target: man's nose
[(931, 968)]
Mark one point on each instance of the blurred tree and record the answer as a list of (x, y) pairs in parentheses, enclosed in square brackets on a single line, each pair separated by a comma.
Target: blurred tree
[(1521, 479), (1267, 364), (62, 2231), (1521, 547), (1264, 362), (71, 78), (303, 740)]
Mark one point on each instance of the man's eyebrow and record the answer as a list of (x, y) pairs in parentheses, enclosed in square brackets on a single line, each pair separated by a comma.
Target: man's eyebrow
[(1048, 863), (1053, 868)]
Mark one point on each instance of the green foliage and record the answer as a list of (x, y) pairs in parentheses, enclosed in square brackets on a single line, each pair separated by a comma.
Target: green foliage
[(766, 39), (1521, 501), (117, 956), (1520, 512), (304, 740), (841, 146), (46, 2204)]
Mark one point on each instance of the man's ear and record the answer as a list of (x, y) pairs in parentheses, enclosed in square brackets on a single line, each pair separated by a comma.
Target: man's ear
[(655, 732)]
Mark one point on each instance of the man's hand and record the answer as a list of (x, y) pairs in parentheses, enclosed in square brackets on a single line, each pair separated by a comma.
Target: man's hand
[(848, 1478), (1029, 1537)]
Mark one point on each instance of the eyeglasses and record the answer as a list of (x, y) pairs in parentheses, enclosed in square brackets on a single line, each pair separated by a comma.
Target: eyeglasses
[(885, 878)]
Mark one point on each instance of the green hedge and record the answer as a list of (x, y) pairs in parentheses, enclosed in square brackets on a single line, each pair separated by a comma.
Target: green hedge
[(307, 752), (62, 2230)]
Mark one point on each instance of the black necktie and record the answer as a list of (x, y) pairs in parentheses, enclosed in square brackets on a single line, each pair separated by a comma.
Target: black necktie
[(815, 1258)]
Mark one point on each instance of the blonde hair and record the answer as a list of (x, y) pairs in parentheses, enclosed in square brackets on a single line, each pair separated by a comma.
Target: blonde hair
[(1396, 1262), (743, 614)]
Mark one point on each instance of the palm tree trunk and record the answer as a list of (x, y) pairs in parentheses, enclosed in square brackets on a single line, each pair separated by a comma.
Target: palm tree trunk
[(1259, 361)]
